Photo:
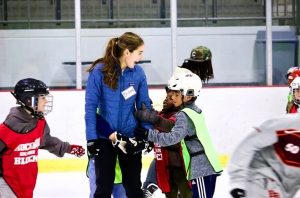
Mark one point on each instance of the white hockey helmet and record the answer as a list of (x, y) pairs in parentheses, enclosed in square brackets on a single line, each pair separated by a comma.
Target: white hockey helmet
[(187, 82), (180, 70), (295, 84)]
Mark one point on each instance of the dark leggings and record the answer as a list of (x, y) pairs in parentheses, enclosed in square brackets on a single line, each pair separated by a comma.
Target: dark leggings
[(131, 166)]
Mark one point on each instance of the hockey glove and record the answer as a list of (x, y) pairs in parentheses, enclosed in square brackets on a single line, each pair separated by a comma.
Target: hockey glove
[(238, 193), (77, 150), (149, 147), (135, 146), (93, 148), (120, 141), (141, 133)]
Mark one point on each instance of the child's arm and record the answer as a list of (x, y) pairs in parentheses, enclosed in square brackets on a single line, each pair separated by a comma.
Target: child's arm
[(57, 147), (161, 124), (164, 124)]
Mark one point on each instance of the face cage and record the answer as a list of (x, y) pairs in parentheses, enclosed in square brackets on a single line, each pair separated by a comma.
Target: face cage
[(48, 105), (296, 101)]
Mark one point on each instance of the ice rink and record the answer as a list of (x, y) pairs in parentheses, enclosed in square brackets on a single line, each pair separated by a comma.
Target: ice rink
[(76, 185)]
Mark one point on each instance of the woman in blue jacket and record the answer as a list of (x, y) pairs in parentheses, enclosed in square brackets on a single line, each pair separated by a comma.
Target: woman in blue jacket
[(116, 86)]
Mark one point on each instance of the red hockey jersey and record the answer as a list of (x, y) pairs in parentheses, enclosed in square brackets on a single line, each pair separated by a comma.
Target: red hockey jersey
[(19, 161)]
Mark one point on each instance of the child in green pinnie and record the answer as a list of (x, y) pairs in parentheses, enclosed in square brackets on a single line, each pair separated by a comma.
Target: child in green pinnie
[(200, 158)]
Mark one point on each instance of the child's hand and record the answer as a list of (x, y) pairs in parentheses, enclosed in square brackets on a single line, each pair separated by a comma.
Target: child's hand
[(77, 150), (238, 193), (93, 147)]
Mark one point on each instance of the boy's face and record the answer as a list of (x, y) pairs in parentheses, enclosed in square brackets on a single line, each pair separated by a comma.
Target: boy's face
[(42, 101), (168, 102), (45, 103), (177, 98), (297, 94)]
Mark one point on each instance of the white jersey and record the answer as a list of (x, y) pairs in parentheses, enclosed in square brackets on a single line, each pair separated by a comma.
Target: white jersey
[(271, 152)]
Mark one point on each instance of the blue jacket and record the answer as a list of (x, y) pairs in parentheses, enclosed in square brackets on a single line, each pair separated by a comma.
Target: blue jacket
[(113, 107)]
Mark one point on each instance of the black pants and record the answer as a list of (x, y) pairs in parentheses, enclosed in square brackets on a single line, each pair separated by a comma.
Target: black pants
[(131, 166)]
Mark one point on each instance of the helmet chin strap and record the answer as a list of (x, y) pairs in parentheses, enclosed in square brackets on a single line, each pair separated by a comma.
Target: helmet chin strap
[(30, 109), (33, 112)]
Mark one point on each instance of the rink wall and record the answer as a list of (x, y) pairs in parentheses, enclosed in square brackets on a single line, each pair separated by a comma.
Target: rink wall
[(230, 113)]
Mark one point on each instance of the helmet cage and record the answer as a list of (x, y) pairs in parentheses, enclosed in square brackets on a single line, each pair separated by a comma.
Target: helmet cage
[(296, 101), (47, 107), (49, 104)]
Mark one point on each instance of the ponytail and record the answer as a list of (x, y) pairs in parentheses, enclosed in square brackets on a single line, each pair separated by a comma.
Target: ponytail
[(114, 50)]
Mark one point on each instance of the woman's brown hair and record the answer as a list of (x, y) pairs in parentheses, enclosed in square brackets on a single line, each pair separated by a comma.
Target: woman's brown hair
[(114, 50)]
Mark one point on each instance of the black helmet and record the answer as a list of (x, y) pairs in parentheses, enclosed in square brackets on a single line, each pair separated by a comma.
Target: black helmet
[(29, 87), (27, 92)]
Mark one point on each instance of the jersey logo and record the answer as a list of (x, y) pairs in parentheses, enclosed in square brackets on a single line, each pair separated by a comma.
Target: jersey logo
[(292, 148), (288, 146)]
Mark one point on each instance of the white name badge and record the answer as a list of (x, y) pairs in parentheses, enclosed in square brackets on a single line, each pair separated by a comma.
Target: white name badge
[(127, 93)]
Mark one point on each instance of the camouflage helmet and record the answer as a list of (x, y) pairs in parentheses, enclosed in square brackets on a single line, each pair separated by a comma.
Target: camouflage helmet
[(200, 54)]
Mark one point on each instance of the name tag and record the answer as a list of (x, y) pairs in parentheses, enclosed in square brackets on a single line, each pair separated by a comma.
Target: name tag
[(127, 93)]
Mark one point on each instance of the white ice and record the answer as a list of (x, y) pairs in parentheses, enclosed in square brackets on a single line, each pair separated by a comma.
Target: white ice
[(76, 185)]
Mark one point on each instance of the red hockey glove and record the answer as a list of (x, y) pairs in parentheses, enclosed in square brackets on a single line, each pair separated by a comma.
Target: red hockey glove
[(77, 150)]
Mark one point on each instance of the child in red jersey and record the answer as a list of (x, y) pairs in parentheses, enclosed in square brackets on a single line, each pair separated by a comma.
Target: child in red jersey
[(23, 132), (291, 74), (295, 96), (167, 169)]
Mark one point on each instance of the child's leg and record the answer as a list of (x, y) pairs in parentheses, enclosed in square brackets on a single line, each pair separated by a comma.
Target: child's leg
[(92, 176), (179, 183), (173, 185), (119, 191), (151, 175), (204, 187), (185, 190)]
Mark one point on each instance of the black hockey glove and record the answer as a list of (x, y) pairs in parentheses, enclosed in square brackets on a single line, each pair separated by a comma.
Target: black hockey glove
[(149, 146), (93, 148), (238, 193), (135, 146), (141, 133)]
